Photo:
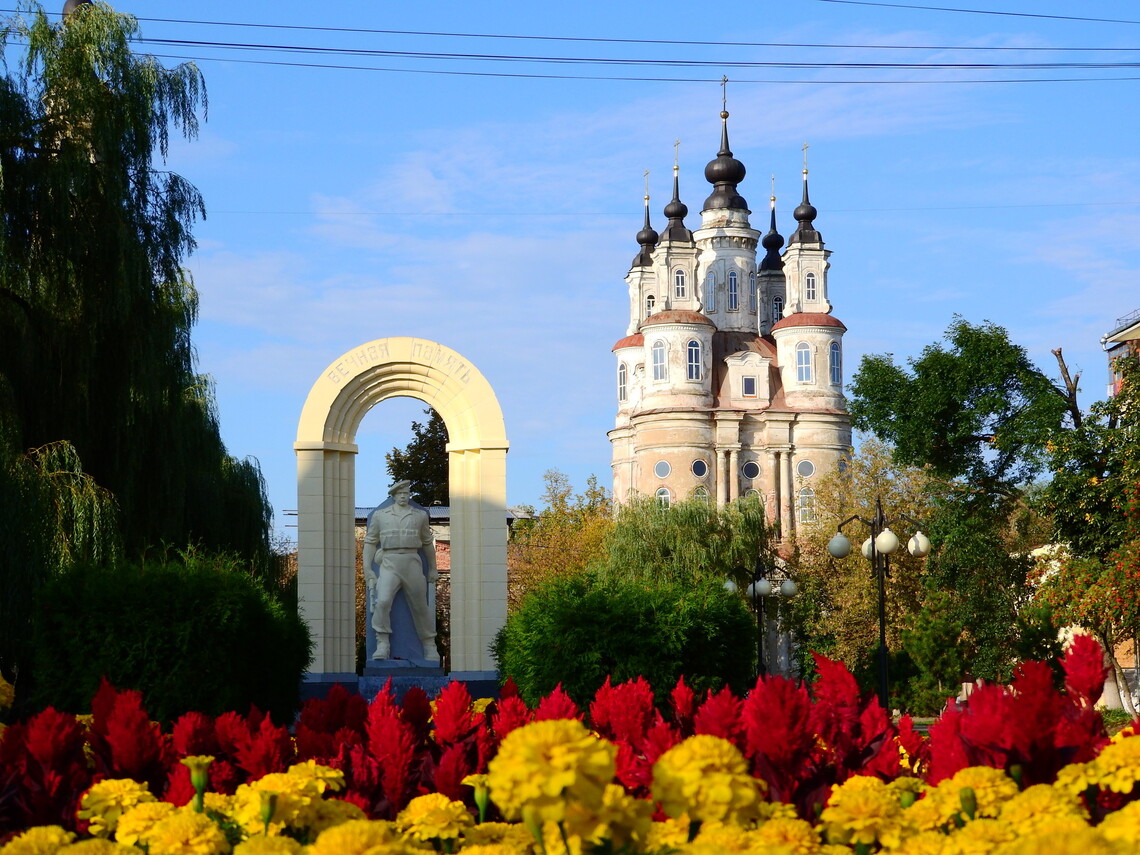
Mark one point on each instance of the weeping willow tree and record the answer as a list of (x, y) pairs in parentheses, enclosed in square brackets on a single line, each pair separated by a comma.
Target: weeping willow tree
[(96, 308)]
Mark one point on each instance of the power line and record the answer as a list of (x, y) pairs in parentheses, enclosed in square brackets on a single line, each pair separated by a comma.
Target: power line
[(981, 12)]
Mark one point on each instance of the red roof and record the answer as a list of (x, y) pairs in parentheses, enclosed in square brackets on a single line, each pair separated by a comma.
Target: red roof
[(808, 319), (676, 316), (635, 340)]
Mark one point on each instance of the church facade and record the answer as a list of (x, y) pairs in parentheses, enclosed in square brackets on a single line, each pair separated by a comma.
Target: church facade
[(730, 373)]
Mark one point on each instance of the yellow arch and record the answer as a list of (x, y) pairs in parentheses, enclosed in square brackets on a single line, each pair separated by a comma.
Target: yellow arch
[(326, 448)]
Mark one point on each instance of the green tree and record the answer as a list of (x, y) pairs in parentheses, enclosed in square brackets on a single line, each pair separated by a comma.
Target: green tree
[(424, 461), (95, 307), (978, 409), (566, 537)]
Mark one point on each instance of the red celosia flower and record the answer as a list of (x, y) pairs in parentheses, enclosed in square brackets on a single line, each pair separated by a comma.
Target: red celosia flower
[(417, 712), (510, 712), (313, 744), (719, 716), (454, 765), (267, 750), (193, 733), (1085, 669), (916, 746), (454, 719), (132, 746), (557, 705), (683, 703), (623, 713), (777, 736)]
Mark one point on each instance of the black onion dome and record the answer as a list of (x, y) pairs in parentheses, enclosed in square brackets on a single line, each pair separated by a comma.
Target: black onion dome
[(647, 239), (676, 211), (724, 173), (805, 213), (772, 242)]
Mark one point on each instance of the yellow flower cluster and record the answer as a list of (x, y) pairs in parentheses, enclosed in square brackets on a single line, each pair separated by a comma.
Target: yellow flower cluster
[(433, 817), (295, 801), (7, 693), (707, 778), (547, 764), (106, 801)]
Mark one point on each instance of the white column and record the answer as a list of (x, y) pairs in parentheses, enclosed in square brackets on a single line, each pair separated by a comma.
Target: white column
[(789, 498), (733, 475)]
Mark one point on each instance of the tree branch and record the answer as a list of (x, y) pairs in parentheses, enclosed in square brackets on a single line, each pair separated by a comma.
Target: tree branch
[(1069, 393)]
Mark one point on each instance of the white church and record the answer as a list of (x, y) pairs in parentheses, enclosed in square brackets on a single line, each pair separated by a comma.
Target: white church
[(730, 374)]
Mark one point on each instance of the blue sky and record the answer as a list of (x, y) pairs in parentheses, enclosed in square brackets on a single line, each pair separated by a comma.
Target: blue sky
[(497, 214)]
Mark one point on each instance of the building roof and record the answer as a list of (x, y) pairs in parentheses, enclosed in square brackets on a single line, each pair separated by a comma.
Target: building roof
[(1126, 329), (635, 340), (676, 316), (808, 319)]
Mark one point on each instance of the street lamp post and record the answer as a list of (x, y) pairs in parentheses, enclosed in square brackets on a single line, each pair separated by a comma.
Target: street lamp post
[(759, 589), (877, 549)]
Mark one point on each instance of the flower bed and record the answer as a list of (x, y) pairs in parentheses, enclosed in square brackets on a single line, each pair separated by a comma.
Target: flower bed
[(1022, 769)]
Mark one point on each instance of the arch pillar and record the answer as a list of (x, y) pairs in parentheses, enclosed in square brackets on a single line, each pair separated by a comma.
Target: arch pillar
[(326, 496)]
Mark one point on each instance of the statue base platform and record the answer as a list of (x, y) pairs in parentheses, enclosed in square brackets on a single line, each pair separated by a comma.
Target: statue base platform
[(404, 674)]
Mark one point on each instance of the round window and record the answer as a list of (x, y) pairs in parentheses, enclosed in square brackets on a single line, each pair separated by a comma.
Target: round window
[(700, 468), (752, 494), (750, 470), (805, 468), (662, 469)]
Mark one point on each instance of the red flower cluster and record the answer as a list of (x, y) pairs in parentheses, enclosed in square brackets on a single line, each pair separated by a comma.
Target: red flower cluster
[(801, 741)]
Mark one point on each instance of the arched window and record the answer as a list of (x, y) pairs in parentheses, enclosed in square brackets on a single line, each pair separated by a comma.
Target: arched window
[(710, 292), (803, 362), (660, 371), (663, 497), (777, 308), (752, 292), (733, 292), (650, 302), (809, 287), (806, 505), (836, 363), (694, 360), (678, 283), (702, 494), (623, 376)]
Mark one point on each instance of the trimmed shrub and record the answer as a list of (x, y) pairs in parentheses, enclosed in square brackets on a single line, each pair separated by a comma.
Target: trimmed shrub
[(193, 634), (580, 629)]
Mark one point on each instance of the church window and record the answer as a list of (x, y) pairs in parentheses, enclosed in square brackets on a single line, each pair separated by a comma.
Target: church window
[(777, 308), (748, 387), (750, 470), (809, 287), (700, 468), (836, 363), (752, 494), (710, 292), (623, 377), (662, 468), (803, 362), (733, 292), (701, 494), (660, 371), (805, 468), (679, 283), (694, 353), (663, 497), (752, 292), (650, 302), (806, 505)]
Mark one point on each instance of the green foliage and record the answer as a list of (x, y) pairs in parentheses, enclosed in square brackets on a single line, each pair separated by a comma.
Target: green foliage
[(1093, 466), (687, 541), (576, 630), (937, 655), (193, 633), (978, 409), (95, 308), (424, 461)]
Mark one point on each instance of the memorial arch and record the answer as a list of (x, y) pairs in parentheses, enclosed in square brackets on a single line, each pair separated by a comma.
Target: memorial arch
[(326, 496)]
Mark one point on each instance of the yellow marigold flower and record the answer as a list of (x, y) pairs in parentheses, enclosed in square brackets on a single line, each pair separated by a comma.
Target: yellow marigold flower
[(863, 815), (922, 843), (796, 834), (491, 849), (187, 832), (7, 693), (930, 813), (1026, 810), (96, 846), (992, 788), (620, 819), (38, 840), (777, 810), (295, 806), (326, 777), (707, 778), (509, 834), (359, 837), (433, 817), (1076, 778), (135, 825), (545, 764), (980, 837), (1123, 826), (1084, 841), (670, 834), (106, 801), (325, 813), (479, 705), (834, 849), (726, 838), (269, 846), (1118, 765), (556, 840)]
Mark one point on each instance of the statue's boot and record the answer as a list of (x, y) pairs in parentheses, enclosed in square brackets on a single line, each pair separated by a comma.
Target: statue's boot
[(430, 653), (383, 649)]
